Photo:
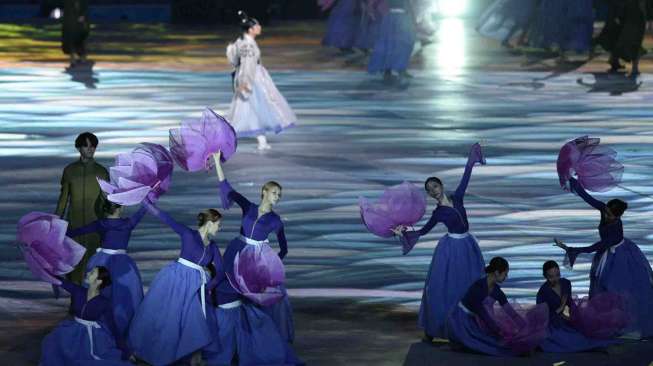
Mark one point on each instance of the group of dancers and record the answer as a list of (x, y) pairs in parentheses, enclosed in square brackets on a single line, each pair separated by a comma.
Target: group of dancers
[(194, 312), (459, 292), (568, 26), (387, 28)]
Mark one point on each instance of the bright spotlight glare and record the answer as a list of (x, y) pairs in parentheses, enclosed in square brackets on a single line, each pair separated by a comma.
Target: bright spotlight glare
[(450, 8), (56, 13)]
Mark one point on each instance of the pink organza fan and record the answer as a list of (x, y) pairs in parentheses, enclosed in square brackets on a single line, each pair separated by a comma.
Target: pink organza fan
[(48, 251), (195, 141), (523, 328), (403, 204), (144, 171), (604, 316), (258, 274), (595, 165)]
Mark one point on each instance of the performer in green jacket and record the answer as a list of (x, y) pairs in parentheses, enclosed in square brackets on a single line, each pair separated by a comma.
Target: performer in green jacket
[(81, 195), (75, 30)]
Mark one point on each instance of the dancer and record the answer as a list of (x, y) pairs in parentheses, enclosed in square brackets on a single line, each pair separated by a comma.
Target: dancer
[(258, 222), (623, 33), (86, 338), (474, 325), (563, 337), (257, 106), (504, 18), (343, 25), (370, 24), (81, 196), (75, 30), (171, 323), (457, 260), (394, 45), (619, 266), (127, 292)]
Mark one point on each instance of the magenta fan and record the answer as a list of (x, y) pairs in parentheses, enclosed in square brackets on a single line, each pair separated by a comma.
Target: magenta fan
[(522, 328), (595, 165), (258, 274), (195, 141), (148, 168), (48, 251), (603, 316), (403, 204)]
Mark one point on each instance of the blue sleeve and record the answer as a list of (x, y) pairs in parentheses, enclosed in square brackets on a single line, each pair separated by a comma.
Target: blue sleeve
[(228, 195), (408, 239), (464, 181), (72, 288), (572, 253), (137, 217), (544, 296), (497, 294), (281, 238), (180, 229), (219, 269), (476, 295), (86, 229), (429, 225), (576, 187)]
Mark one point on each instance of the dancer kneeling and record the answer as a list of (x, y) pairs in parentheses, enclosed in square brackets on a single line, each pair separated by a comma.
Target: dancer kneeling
[(563, 333), (475, 325), (87, 337), (171, 323)]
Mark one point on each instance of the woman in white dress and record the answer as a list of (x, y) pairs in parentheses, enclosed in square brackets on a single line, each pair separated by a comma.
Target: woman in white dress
[(257, 107)]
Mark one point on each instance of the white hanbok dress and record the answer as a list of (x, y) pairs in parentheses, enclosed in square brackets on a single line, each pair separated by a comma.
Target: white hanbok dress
[(262, 109)]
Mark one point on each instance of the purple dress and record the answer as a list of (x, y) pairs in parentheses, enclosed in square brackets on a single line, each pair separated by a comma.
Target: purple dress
[(126, 291), (255, 230), (171, 323), (85, 339), (343, 24), (618, 266), (563, 337), (457, 261), (463, 327), (395, 41)]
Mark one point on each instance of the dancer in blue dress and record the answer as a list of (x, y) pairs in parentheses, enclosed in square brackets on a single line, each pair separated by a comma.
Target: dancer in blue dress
[(370, 24), (171, 323), (395, 42), (619, 266), (127, 290), (343, 25), (85, 339), (564, 25), (563, 337), (457, 260), (504, 18), (258, 222)]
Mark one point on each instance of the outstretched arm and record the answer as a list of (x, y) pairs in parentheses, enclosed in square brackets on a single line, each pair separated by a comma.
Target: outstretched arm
[(573, 252), (86, 229), (137, 217), (475, 156), (578, 188), (227, 194), (180, 229)]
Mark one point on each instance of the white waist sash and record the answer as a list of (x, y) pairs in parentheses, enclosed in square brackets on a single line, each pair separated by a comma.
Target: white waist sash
[(201, 270), (397, 10), (89, 329), (604, 257), (460, 305), (251, 241), (458, 236), (231, 305), (111, 251)]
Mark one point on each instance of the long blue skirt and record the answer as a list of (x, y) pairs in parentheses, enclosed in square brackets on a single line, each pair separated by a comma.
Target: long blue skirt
[(169, 324), (456, 265), (368, 33), (69, 344), (251, 335), (126, 290), (502, 17), (343, 24), (627, 272), (563, 338), (394, 45), (463, 328)]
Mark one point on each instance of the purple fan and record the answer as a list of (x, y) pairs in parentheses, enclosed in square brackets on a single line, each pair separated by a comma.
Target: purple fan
[(522, 328), (195, 141), (258, 274), (403, 204), (145, 170), (48, 251), (604, 316), (596, 166)]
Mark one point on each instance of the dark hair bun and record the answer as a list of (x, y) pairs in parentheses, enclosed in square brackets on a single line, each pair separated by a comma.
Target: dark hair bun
[(548, 265), (497, 264), (209, 215)]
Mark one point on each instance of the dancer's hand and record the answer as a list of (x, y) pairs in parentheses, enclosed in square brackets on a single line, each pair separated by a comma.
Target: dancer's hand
[(560, 244), (242, 88), (476, 155), (399, 230)]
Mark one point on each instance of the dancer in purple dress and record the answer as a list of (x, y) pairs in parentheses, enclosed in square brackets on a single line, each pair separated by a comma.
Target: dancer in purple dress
[(127, 290), (563, 337), (258, 222), (85, 339), (474, 324), (457, 259), (395, 42), (171, 323), (343, 25), (619, 266)]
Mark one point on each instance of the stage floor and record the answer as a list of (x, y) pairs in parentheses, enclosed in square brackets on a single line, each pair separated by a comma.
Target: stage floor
[(356, 136)]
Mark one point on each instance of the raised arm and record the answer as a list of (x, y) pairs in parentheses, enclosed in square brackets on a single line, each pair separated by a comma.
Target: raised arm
[(573, 252), (137, 217), (227, 194), (180, 229), (86, 229), (283, 244), (578, 188), (64, 195), (475, 156)]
